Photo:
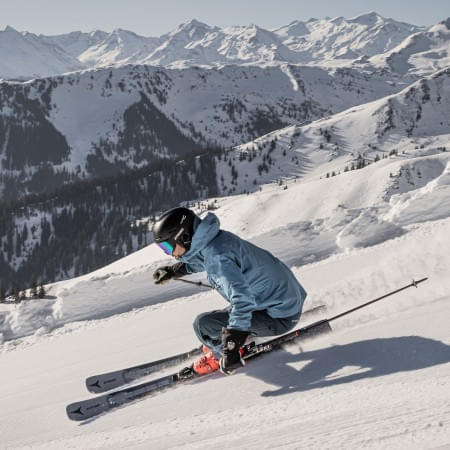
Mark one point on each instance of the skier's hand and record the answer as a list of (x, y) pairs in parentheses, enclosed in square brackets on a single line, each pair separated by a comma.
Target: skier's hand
[(162, 275), (232, 341)]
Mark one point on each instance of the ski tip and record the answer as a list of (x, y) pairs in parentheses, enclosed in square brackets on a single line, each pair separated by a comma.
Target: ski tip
[(80, 411), (93, 385), (75, 412), (98, 384)]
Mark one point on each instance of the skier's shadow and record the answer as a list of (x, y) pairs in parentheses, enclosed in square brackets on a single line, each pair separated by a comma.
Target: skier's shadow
[(341, 364)]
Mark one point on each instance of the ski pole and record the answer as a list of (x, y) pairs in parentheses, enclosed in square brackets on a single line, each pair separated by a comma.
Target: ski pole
[(412, 284), (197, 283)]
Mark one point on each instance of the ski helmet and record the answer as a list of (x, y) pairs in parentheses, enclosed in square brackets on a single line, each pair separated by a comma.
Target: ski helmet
[(175, 226)]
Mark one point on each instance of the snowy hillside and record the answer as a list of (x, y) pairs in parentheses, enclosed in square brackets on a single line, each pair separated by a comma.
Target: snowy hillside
[(420, 53), (380, 380), (100, 121), (325, 42), (412, 122)]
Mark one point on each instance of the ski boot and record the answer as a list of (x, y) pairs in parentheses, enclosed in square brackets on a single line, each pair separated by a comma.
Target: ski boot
[(207, 363)]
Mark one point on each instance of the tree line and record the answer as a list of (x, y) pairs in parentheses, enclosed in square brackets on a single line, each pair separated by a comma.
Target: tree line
[(85, 225)]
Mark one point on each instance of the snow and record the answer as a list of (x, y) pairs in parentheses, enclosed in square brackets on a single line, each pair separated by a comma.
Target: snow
[(420, 53), (366, 230), (93, 120), (380, 380), (431, 202), (119, 47)]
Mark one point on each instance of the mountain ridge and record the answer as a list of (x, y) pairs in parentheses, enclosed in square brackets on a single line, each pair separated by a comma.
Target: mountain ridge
[(336, 41)]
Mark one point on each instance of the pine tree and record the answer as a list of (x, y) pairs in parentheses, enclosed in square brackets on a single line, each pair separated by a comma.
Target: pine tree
[(41, 291)]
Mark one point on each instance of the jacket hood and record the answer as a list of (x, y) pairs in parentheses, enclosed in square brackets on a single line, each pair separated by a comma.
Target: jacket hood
[(205, 231)]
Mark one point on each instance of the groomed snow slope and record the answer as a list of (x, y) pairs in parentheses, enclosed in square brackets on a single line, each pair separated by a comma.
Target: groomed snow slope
[(380, 380)]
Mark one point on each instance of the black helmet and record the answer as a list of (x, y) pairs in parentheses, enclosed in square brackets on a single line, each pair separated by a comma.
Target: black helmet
[(175, 226)]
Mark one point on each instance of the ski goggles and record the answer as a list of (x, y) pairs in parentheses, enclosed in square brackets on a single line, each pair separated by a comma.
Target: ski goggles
[(166, 247)]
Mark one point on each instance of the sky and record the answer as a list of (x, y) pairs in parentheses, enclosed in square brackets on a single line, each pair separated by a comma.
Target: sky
[(156, 17)]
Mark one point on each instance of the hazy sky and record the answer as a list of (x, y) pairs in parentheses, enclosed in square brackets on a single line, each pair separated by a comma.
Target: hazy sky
[(155, 17)]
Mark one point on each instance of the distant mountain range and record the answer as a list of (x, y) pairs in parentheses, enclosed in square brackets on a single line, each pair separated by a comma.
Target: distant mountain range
[(369, 40)]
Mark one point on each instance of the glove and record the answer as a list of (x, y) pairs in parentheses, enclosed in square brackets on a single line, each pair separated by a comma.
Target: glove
[(164, 274), (232, 341)]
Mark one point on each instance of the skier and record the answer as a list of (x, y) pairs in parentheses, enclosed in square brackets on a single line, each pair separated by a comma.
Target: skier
[(265, 297)]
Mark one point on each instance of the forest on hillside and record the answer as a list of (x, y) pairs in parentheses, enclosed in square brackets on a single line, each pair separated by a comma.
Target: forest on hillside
[(88, 224)]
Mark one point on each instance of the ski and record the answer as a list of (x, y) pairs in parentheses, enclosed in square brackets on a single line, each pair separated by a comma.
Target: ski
[(104, 382), (87, 409), (112, 380)]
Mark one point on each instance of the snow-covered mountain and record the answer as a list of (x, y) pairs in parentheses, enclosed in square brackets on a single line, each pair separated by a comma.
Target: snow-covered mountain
[(197, 44), (118, 47), (100, 121), (337, 41), (405, 123), (25, 55), (340, 38), (85, 124), (420, 53), (76, 42)]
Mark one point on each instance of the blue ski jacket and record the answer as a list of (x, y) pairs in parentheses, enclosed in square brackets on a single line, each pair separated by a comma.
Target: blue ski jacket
[(248, 277)]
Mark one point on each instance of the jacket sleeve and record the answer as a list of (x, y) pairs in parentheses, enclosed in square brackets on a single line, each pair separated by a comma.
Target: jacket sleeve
[(237, 291), (193, 267)]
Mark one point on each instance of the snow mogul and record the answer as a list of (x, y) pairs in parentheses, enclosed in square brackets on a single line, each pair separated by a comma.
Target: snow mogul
[(265, 297)]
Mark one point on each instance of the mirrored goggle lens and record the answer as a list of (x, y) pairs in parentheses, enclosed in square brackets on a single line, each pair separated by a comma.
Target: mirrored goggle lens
[(166, 247)]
